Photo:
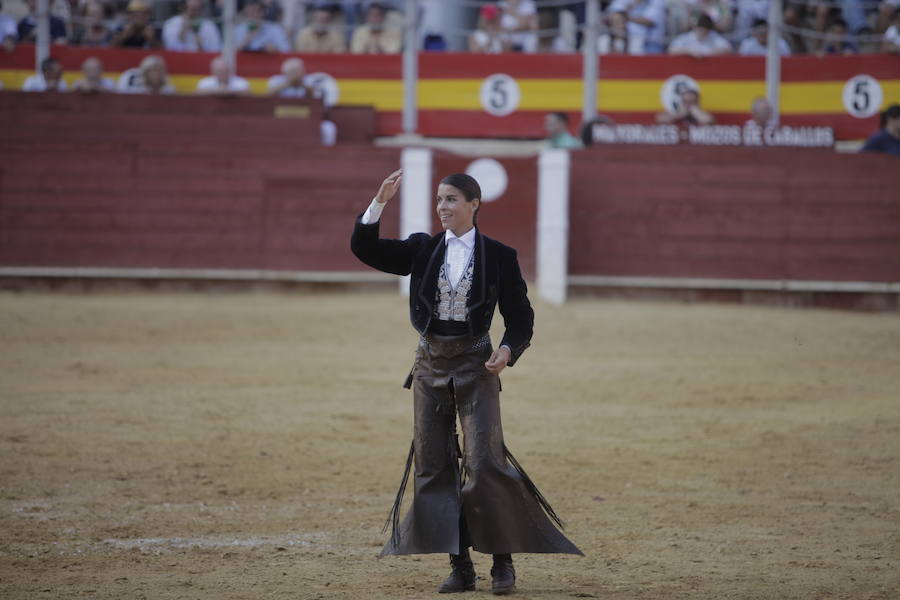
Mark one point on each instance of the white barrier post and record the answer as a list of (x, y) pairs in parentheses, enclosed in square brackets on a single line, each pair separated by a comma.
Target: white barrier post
[(415, 197), (42, 41), (410, 68), (229, 10), (553, 225), (590, 61), (773, 60)]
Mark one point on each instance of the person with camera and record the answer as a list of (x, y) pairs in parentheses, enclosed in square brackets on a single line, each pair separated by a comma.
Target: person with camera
[(190, 31)]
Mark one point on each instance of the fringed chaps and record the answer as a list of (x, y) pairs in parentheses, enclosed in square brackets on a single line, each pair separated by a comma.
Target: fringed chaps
[(478, 495)]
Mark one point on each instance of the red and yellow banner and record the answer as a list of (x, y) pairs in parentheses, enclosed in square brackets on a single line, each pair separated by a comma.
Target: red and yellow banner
[(506, 95)]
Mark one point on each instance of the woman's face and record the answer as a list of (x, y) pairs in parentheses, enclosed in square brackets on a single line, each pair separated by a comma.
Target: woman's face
[(454, 211)]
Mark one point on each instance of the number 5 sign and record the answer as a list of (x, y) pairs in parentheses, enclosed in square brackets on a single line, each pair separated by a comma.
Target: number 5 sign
[(862, 96), (499, 94)]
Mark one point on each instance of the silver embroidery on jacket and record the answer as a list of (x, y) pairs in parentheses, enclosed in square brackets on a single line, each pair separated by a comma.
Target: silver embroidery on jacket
[(451, 303)]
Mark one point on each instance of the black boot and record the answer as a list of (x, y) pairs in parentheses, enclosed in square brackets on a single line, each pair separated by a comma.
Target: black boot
[(503, 575), (462, 574)]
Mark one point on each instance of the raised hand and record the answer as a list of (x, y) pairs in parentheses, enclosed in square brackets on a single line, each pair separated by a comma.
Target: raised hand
[(389, 187)]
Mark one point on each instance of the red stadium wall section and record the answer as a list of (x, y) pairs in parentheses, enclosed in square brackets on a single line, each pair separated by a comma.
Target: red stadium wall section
[(453, 88), (512, 217), (737, 213), (250, 196)]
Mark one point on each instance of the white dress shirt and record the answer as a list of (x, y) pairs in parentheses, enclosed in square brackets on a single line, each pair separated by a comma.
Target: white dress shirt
[(459, 249)]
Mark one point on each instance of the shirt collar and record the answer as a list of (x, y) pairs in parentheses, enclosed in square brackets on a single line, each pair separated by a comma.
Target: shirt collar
[(468, 238)]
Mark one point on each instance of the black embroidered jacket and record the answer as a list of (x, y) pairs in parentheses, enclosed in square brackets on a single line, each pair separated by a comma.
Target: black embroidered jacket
[(496, 280)]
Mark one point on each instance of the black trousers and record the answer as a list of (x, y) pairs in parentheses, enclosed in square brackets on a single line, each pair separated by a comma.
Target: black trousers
[(478, 495)]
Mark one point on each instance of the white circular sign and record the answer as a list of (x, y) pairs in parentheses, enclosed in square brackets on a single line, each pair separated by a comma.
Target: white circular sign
[(863, 96), (673, 87), (325, 87), (491, 177), (500, 94)]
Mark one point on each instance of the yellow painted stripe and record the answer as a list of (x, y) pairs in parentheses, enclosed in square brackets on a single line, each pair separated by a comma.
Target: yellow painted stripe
[(620, 95)]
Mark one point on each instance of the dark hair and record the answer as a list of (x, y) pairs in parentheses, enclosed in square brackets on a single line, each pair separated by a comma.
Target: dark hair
[(706, 22), (468, 186), (759, 23), (561, 116), (587, 128), (48, 62), (891, 112)]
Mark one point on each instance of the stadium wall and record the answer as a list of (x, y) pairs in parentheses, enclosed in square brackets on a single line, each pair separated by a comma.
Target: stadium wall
[(266, 203)]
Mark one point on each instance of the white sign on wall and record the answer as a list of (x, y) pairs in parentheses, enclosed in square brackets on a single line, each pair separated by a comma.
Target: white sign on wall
[(673, 87), (500, 94), (863, 96)]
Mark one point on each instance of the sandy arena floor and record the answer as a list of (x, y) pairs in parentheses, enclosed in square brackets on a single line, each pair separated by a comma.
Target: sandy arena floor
[(248, 445)]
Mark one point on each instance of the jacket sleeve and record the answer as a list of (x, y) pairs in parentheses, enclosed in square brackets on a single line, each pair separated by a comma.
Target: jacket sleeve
[(518, 316), (390, 256)]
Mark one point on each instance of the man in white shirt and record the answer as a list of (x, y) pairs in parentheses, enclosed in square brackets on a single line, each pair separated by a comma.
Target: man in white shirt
[(93, 81), (222, 81), (50, 79), (9, 31), (646, 20), (758, 42), (290, 83), (189, 32), (255, 34), (700, 42)]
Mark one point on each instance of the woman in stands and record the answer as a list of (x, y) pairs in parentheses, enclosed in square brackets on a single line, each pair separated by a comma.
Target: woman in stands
[(478, 496)]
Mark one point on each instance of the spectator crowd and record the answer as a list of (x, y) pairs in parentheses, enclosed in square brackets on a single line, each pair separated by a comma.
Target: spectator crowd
[(692, 27)]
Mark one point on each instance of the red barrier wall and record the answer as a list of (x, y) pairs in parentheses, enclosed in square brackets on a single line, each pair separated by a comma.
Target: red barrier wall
[(735, 213), (251, 197)]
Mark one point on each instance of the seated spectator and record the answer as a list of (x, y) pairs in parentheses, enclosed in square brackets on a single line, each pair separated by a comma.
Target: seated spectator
[(887, 139), (758, 42), (153, 77), (190, 32), (891, 41), (720, 11), (93, 29), (222, 82), (646, 20), (489, 36), (9, 31), (373, 37), (320, 36), (618, 38), (837, 41), (556, 124), (702, 41), (28, 27), (50, 79), (138, 31), (688, 112), (760, 114), (519, 21), (748, 12), (887, 14), (93, 81), (681, 14), (290, 84), (254, 34), (795, 17)]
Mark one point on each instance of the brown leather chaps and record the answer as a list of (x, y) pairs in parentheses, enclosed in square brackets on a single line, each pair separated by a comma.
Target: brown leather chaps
[(479, 495)]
